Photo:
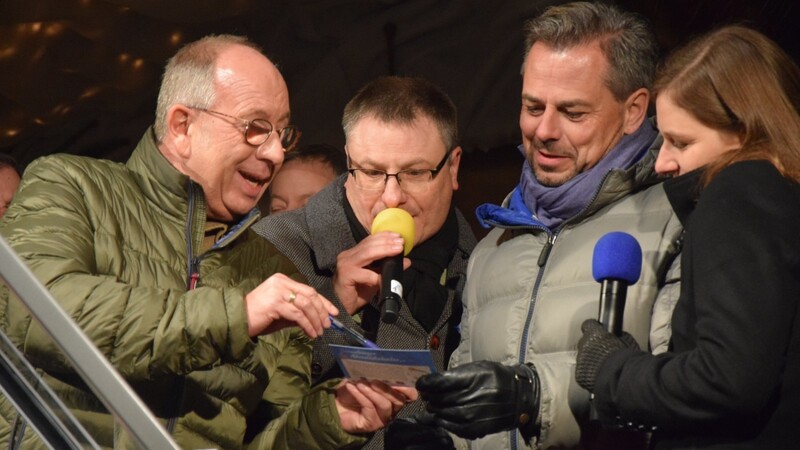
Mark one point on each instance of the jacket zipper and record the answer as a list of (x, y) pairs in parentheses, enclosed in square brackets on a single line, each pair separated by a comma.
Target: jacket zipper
[(543, 257), (193, 278)]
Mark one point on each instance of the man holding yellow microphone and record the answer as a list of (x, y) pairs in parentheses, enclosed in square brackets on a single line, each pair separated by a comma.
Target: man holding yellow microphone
[(401, 145)]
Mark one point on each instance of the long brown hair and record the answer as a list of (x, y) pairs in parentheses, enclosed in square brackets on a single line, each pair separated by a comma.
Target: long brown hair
[(738, 80)]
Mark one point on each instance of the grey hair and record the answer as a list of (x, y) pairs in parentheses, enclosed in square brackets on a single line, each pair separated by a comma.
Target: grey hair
[(625, 39), (189, 76)]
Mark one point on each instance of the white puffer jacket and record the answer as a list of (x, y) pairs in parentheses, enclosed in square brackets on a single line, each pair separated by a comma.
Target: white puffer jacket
[(518, 311)]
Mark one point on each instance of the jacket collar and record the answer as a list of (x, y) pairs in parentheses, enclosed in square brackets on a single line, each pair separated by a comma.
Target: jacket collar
[(622, 182), (330, 235), (148, 161), (174, 192), (683, 193)]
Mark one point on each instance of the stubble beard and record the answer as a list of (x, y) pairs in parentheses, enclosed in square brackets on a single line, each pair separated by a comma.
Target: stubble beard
[(547, 177)]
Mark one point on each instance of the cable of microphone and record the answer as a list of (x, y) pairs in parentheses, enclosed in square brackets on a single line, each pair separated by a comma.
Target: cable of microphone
[(399, 221), (616, 264)]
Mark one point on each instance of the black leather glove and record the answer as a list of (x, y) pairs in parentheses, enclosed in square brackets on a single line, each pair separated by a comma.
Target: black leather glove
[(418, 432), (482, 398), (594, 347)]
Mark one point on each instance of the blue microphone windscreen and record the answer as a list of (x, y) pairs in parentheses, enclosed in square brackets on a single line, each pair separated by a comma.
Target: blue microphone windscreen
[(617, 256)]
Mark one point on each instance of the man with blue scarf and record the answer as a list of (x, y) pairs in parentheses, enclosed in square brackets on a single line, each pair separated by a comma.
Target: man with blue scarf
[(589, 151)]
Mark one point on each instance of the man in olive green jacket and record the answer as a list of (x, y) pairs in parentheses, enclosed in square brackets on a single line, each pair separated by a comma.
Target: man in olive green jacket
[(156, 262)]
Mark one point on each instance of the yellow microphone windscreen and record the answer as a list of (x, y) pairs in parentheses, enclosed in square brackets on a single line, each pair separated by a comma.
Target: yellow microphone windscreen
[(396, 220)]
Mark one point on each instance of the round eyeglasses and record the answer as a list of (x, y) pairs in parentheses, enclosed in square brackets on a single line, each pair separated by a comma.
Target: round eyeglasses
[(257, 131), (410, 180)]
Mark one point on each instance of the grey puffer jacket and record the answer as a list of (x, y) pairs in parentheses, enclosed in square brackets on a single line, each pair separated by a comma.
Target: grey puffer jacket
[(522, 304)]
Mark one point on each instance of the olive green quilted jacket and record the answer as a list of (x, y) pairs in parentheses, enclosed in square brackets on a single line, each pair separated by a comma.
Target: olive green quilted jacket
[(116, 244)]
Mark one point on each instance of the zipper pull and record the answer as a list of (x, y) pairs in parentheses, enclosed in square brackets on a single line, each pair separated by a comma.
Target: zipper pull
[(546, 250), (193, 279)]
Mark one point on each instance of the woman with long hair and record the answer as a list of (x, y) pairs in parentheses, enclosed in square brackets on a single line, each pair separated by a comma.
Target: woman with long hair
[(727, 107)]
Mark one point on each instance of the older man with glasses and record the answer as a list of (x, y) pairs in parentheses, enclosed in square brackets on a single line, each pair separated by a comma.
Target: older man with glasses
[(402, 153), (155, 260), (257, 131)]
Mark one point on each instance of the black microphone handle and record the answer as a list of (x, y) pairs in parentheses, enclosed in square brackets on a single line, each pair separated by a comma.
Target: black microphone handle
[(391, 288), (612, 305)]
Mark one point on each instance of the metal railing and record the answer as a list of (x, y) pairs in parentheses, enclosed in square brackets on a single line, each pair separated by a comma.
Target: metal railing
[(101, 377)]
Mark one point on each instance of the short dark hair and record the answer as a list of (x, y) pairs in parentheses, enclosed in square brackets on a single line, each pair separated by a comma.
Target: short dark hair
[(7, 160), (393, 99), (324, 153), (625, 39)]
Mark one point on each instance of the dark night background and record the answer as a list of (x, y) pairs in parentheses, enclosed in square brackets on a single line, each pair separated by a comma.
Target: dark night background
[(81, 76)]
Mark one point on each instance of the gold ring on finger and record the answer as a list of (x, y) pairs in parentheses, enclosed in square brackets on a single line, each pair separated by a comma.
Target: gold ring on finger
[(292, 296)]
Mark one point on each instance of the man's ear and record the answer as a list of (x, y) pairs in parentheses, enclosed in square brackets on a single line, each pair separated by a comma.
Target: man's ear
[(455, 161), (179, 119), (636, 109)]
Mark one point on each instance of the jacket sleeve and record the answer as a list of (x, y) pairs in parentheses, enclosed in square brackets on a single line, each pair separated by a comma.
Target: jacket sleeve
[(293, 415), (561, 399), (736, 316), (666, 300), (462, 354), (311, 423), (143, 330)]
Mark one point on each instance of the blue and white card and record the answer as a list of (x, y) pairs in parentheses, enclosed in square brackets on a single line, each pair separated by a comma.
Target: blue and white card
[(393, 367)]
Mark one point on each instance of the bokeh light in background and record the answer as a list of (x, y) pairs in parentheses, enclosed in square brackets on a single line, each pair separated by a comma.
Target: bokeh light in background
[(81, 76)]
